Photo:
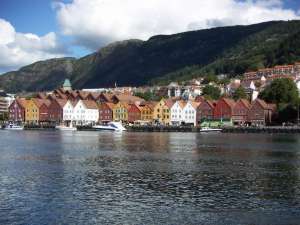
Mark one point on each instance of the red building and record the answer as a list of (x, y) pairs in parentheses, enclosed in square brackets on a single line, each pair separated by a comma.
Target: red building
[(134, 113), (224, 109), (240, 111), (260, 113), (43, 105), (205, 111), (17, 110), (106, 111), (55, 110)]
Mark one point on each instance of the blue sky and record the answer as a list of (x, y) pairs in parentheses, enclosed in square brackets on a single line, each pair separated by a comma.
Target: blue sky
[(77, 27)]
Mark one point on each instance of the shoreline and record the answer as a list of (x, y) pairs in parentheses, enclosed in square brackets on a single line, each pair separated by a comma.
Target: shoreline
[(186, 129)]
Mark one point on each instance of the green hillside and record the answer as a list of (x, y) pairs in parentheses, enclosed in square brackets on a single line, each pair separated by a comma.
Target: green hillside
[(230, 50)]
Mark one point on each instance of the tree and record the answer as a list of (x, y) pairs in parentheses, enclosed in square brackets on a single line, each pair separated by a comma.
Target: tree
[(281, 91), (210, 78), (148, 96), (211, 92), (239, 94)]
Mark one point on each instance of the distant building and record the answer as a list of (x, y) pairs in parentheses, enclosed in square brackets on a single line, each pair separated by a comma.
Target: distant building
[(67, 85)]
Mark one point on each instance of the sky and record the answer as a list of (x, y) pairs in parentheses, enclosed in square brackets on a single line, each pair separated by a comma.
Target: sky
[(33, 30)]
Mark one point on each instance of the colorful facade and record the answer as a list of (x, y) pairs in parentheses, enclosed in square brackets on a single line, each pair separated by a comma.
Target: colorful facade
[(31, 112), (17, 110), (120, 112), (162, 111), (106, 111)]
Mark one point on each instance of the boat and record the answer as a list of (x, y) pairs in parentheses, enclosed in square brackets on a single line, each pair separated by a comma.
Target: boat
[(208, 129), (13, 127), (66, 128), (111, 126)]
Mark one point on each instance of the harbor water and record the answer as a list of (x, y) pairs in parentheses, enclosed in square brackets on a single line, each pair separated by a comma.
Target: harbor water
[(52, 177)]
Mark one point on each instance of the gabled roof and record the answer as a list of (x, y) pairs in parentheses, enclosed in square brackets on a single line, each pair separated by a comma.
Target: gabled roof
[(245, 102), (22, 102), (229, 102), (90, 104), (195, 104), (39, 102), (262, 103), (169, 103), (127, 98), (61, 102)]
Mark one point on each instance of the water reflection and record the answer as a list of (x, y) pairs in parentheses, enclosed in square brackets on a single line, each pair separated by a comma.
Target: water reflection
[(148, 178)]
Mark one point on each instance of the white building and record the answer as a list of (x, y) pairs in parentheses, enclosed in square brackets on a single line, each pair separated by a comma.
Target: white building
[(85, 112), (184, 112), (176, 113), (68, 111), (189, 113)]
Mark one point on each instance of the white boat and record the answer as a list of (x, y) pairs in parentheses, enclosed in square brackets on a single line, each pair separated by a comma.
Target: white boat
[(13, 127), (208, 129), (111, 126), (66, 128)]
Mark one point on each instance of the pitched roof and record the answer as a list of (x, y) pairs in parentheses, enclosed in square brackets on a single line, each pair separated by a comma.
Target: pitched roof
[(40, 102), (22, 102), (245, 102), (90, 104), (229, 102), (169, 103), (61, 102), (262, 103), (127, 98), (195, 104)]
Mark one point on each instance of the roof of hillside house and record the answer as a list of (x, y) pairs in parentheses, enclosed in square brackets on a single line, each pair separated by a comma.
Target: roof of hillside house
[(90, 104)]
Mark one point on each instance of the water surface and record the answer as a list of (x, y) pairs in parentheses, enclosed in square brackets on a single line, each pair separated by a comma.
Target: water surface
[(148, 178)]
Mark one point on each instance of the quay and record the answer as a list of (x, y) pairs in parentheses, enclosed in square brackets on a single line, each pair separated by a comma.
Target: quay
[(265, 129)]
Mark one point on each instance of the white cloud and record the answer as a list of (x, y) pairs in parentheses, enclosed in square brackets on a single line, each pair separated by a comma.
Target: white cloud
[(96, 22), (19, 49)]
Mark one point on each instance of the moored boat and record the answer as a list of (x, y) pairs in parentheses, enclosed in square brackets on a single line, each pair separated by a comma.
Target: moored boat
[(209, 129), (13, 127), (66, 128), (111, 126)]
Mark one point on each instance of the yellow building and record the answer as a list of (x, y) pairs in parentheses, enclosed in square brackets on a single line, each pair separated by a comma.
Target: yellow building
[(146, 112), (120, 112), (162, 111), (31, 112)]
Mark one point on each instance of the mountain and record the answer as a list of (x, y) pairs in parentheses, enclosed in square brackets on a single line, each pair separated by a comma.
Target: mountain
[(230, 50)]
